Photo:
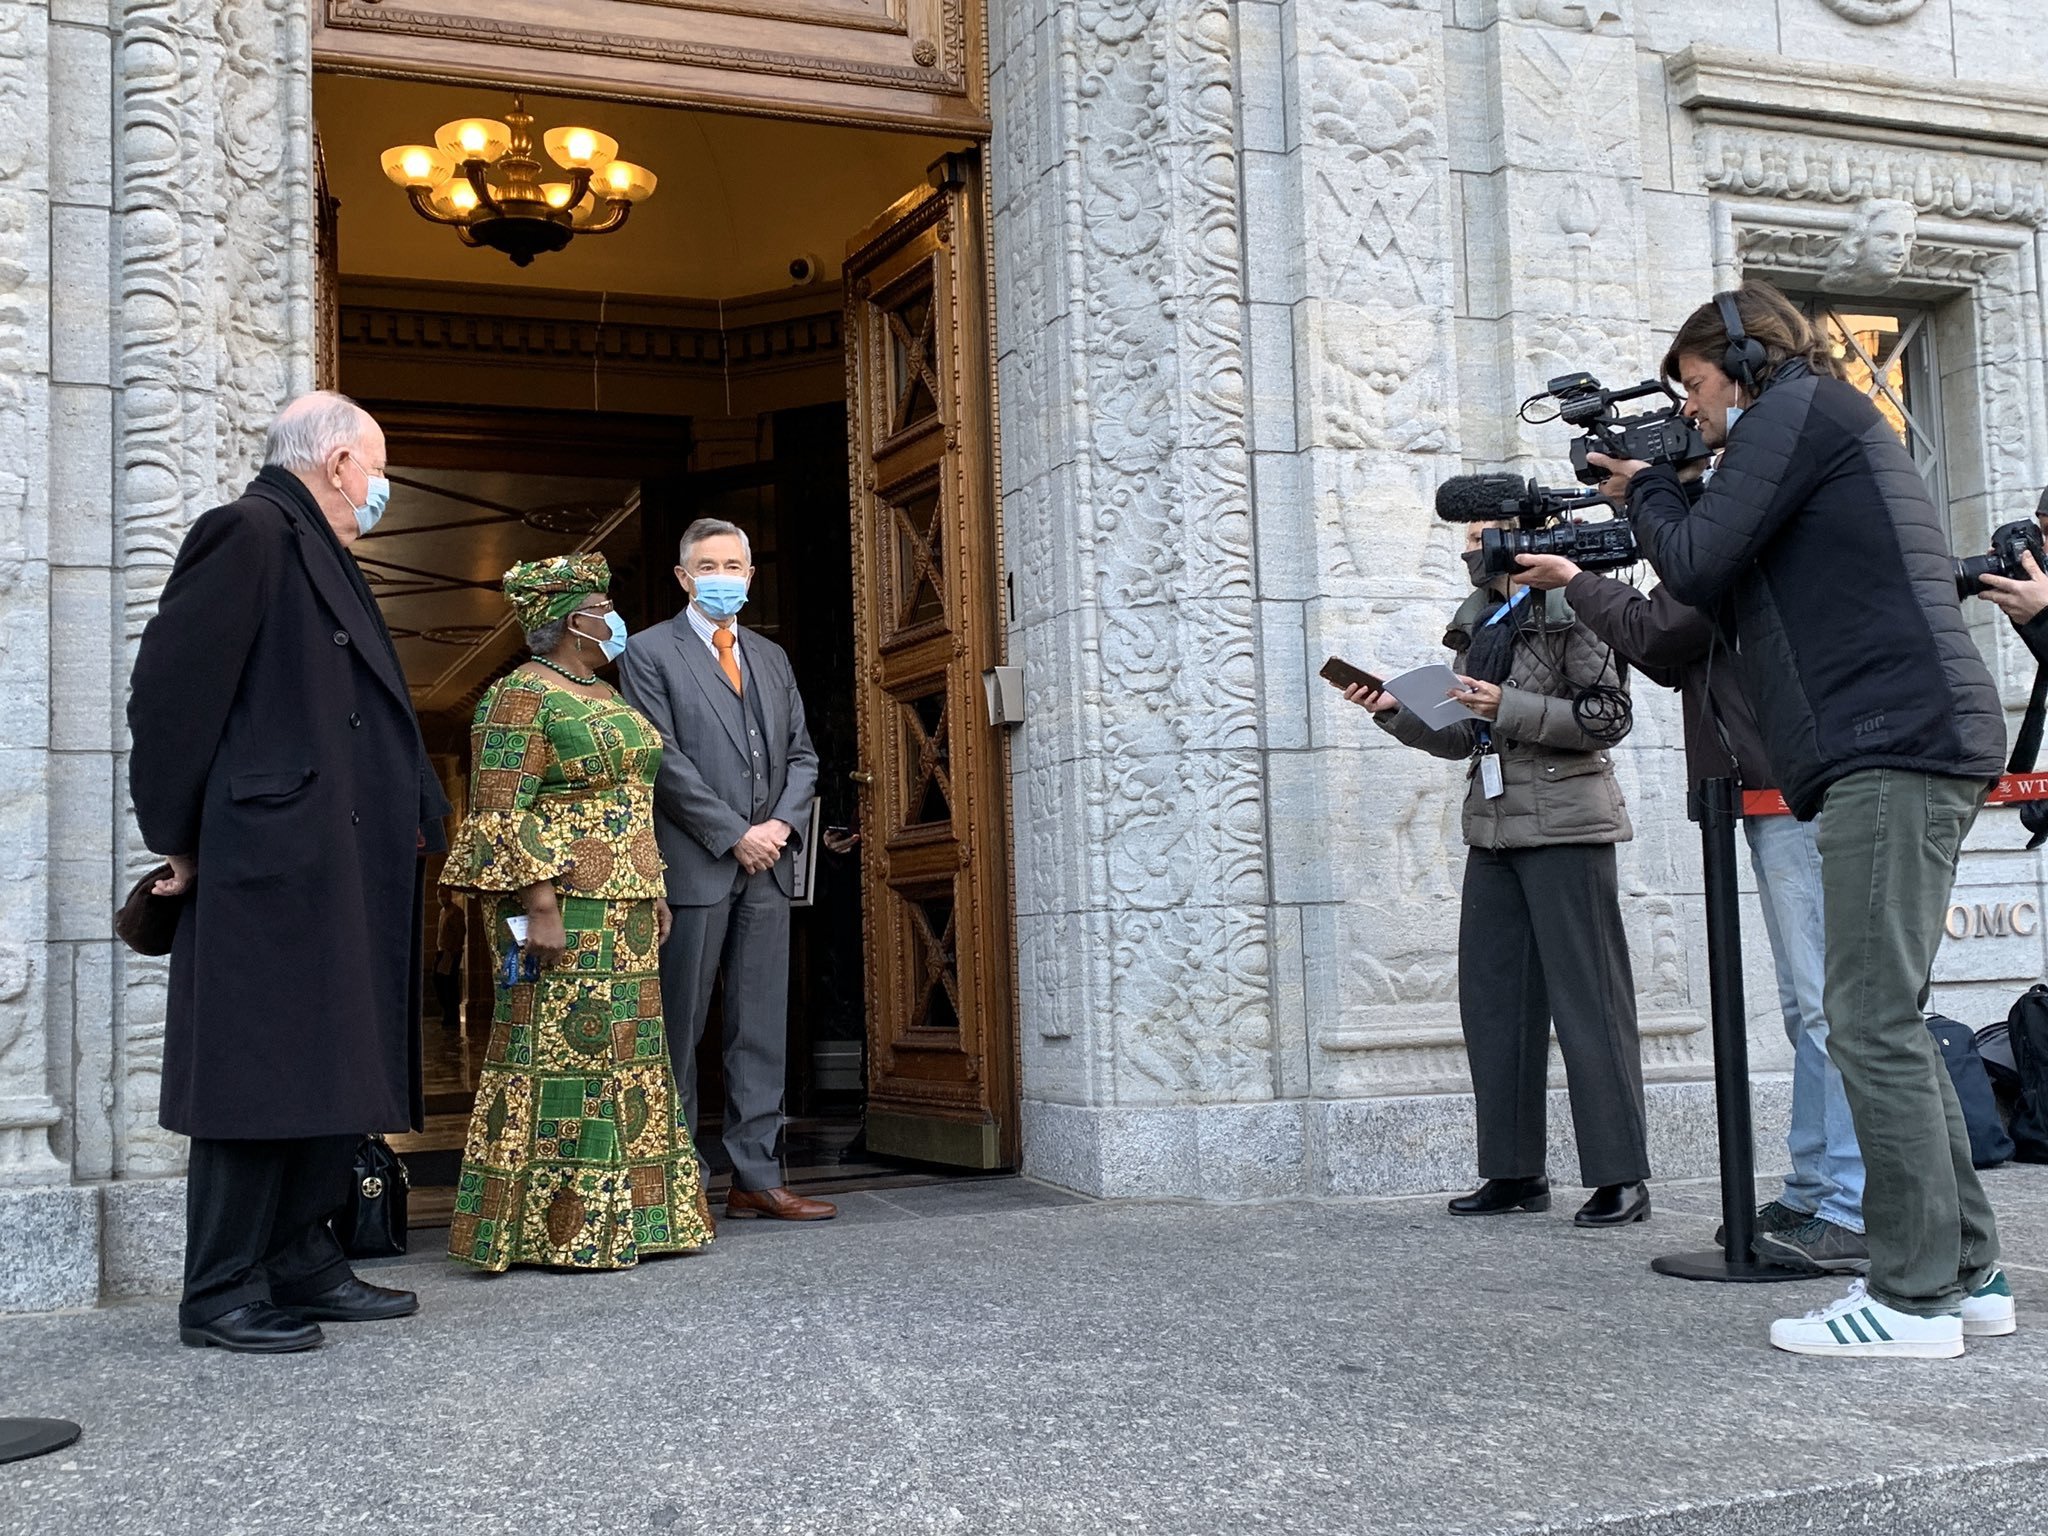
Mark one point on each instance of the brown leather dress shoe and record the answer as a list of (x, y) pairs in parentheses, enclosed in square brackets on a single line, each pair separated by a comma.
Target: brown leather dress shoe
[(775, 1205)]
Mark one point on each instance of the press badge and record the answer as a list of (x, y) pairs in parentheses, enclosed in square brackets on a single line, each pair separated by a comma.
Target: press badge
[(1489, 775)]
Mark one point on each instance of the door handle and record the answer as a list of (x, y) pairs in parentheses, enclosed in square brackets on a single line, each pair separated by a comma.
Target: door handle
[(861, 777)]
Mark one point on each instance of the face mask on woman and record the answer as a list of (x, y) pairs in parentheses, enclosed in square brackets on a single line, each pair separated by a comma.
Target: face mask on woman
[(614, 642)]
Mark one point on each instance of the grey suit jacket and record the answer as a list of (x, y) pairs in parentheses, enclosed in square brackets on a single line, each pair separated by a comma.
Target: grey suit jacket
[(703, 798)]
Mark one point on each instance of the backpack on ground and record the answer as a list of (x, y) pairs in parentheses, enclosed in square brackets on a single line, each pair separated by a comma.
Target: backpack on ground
[(1989, 1143), (2027, 1038)]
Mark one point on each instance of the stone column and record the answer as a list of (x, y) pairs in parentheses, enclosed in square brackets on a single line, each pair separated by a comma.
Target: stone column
[(30, 97), (155, 308), (1139, 790), (1360, 330), (214, 298)]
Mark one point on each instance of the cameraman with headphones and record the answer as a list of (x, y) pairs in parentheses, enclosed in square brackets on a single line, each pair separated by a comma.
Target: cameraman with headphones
[(1822, 557)]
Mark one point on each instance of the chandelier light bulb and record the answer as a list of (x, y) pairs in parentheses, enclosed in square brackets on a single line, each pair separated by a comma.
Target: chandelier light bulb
[(417, 165), (627, 182), (557, 193), (473, 138), (462, 196), (575, 149)]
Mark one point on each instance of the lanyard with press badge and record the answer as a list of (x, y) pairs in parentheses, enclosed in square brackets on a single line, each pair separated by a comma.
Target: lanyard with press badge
[(1487, 760)]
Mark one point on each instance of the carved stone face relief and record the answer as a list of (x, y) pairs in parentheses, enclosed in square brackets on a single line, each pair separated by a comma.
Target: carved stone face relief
[(1878, 244), (1873, 13)]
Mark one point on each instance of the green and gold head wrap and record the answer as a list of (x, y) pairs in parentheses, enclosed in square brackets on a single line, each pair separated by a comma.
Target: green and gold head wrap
[(541, 591)]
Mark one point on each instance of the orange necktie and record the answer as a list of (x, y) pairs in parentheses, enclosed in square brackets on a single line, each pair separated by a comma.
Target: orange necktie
[(724, 639)]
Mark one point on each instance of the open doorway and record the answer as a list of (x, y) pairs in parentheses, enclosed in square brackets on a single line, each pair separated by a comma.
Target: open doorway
[(697, 363)]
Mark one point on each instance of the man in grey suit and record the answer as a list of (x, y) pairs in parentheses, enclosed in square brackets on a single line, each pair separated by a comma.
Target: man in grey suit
[(737, 778)]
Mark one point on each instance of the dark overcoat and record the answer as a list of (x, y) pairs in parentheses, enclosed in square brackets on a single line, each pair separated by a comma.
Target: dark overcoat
[(274, 739)]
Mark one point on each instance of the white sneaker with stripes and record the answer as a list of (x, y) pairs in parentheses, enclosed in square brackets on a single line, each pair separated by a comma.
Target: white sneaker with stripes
[(1862, 1327), (1988, 1311)]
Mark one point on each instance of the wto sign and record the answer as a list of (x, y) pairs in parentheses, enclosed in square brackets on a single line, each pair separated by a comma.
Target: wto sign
[(2020, 920)]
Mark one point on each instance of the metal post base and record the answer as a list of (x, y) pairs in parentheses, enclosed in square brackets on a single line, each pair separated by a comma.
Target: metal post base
[(23, 1438), (1713, 1264)]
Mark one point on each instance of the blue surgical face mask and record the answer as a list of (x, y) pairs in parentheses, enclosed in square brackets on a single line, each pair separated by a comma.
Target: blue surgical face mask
[(614, 643), (721, 596), (1734, 415), (375, 498)]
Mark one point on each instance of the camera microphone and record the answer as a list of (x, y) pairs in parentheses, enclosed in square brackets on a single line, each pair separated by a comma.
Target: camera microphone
[(1480, 498)]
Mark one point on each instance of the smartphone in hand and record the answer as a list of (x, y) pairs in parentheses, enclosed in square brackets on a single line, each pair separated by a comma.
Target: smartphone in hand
[(1341, 674)]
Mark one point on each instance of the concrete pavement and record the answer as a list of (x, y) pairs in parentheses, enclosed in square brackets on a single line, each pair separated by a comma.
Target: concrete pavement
[(999, 1358)]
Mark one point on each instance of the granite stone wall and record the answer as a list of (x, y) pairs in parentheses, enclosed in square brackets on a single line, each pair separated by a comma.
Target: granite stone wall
[(1268, 272)]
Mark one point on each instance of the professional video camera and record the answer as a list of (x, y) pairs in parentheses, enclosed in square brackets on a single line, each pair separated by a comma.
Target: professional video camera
[(1655, 437), (1545, 527), (2007, 545)]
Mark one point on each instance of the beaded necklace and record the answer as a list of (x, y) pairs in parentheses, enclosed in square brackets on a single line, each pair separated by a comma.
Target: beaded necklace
[(587, 682)]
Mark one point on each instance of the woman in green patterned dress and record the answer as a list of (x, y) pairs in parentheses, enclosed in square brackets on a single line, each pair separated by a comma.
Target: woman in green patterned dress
[(578, 1155)]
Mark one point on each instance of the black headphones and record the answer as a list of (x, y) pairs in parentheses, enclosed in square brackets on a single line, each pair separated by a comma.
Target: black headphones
[(1745, 357)]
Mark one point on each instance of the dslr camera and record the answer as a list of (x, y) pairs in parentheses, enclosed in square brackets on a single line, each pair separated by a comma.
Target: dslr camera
[(1661, 436), (1544, 523), (2007, 545)]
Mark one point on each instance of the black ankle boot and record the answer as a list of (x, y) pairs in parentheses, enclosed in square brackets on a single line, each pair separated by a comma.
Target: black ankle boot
[(1498, 1195), (1615, 1205)]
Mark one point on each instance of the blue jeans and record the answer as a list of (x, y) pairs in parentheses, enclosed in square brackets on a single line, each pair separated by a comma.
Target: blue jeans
[(1827, 1164)]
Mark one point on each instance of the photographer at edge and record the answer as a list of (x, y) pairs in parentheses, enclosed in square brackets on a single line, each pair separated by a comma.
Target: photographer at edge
[(1817, 1219), (2024, 601), (1539, 931), (1819, 550)]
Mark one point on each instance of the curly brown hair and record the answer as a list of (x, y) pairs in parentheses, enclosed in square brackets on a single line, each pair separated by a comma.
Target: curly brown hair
[(1767, 316)]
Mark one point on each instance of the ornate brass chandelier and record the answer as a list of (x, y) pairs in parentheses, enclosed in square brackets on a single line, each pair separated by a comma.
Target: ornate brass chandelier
[(480, 176)]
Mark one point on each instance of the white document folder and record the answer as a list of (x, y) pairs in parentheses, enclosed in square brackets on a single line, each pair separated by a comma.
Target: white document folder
[(1422, 691)]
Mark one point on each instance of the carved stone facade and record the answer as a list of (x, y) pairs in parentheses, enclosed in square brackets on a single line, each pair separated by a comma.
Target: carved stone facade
[(1268, 271), (1437, 205)]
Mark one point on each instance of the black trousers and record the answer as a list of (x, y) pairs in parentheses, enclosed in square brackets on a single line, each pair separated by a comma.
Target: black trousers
[(1540, 941), (256, 1217)]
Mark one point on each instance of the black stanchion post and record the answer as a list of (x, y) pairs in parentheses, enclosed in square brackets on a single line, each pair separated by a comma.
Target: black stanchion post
[(1715, 807)]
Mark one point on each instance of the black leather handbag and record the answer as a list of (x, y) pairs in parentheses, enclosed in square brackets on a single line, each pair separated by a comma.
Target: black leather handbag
[(372, 1224)]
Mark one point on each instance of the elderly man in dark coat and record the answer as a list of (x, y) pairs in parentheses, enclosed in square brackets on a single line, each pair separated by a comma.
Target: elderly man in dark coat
[(279, 768)]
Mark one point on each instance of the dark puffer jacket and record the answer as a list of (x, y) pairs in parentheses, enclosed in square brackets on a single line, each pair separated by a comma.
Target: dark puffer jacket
[(1818, 547)]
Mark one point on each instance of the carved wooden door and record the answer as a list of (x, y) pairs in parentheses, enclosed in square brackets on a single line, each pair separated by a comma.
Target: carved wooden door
[(934, 808)]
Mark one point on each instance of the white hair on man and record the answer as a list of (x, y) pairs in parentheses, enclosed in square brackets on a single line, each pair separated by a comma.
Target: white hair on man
[(312, 428), (713, 528)]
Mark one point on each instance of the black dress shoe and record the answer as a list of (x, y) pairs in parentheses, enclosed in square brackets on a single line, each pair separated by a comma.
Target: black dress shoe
[(1497, 1195), (1615, 1205), (257, 1329), (354, 1301)]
